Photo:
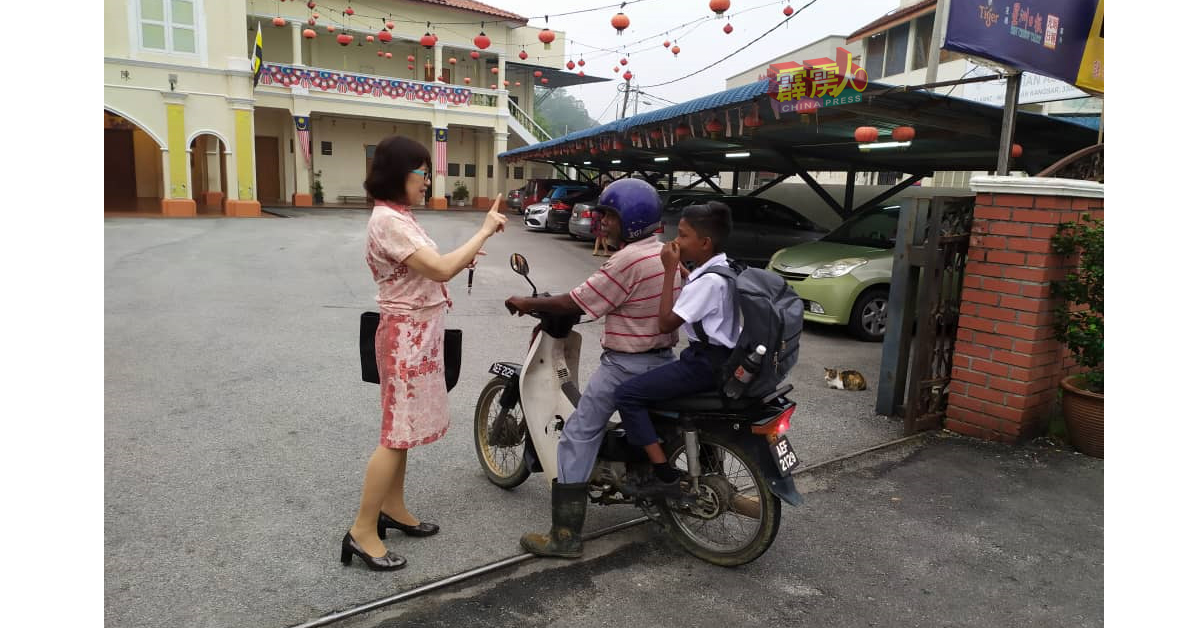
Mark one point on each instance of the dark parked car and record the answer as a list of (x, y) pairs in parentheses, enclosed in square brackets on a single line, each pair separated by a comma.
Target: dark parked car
[(514, 199), (537, 214), (559, 216), (537, 189), (760, 226)]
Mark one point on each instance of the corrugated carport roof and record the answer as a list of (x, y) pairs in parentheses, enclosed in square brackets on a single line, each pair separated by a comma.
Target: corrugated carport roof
[(951, 134)]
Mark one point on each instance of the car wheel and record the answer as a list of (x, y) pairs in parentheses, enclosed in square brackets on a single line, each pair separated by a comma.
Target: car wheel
[(868, 318)]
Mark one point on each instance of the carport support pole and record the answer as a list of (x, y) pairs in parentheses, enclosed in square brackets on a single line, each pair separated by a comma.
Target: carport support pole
[(851, 175), (735, 181), (1008, 124)]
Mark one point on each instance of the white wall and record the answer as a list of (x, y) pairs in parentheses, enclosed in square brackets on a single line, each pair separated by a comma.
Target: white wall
[(343, 172)]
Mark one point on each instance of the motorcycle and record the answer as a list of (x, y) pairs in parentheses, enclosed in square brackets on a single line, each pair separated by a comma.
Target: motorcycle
[(737, 459)]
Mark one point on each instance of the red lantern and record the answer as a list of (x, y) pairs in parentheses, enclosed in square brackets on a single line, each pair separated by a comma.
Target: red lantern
[(581, 73), (1017, 151), (518, 83), (667, 44), (312, 22), (428, 40), (627, 75), (312, 5), (675, 50), (682, 131), (546, 37), (728, 28), (624, 61), (493, 86), (467, 80), (537, 73), (378, 53), (349, 11), (370, 39), (453, 61), (390, 25), (474, 54), (482, 41), (330, 28), (903, 133), (545, 81), (593, 150), (387, 55), (752, 121), (570, 65), (411, 58), (788, 10), (714, 126), (581, 63), (718, 6), (385, 36), (495, 70), (523, 55), (866, 134), (345, 39), (316, 16), (620, 22), (279, 21), (309, 33), (410, 66), (656, 134), (616, 69), (506, 83)]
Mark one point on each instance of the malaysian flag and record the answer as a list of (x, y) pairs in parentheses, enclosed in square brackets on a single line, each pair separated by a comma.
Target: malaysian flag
[(302, 125), (439, 150)]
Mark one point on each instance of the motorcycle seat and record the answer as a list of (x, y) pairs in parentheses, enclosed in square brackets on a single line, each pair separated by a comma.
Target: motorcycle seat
[(705, 402)]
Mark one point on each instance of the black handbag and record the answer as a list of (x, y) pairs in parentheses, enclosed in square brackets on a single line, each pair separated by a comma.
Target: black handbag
[(369, 323)]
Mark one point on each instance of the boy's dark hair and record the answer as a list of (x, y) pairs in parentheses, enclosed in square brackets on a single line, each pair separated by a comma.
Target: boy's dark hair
[(395, 157), (711, 220)]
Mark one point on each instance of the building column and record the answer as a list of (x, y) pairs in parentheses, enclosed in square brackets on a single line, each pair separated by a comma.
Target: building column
[(482, 145), (243, 149), (500, 82), (178, 199), (437, 62), (297, 56), (499, 145), (1007, 363)]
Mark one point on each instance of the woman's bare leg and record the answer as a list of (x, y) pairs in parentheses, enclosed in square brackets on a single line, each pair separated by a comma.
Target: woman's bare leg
[(383, 468)]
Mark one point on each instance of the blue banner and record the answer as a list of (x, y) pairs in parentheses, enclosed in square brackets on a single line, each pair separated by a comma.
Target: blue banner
[(1047, 37)]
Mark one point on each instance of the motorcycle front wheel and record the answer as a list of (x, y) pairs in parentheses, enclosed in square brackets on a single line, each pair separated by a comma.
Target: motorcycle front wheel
[(499, 439), (736, 516)]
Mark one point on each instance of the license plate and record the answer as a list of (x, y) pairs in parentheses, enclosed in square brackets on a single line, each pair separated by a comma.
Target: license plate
[(785, 458), (503, 370)]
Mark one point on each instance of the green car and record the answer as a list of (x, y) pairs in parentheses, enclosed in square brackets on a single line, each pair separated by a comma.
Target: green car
[(845, 276)]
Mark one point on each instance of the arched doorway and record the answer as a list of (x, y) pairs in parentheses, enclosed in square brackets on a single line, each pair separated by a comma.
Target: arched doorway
[(133, 170), (209, 176)]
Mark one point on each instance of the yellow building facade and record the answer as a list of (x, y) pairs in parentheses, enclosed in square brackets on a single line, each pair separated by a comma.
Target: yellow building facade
[(187, 131)]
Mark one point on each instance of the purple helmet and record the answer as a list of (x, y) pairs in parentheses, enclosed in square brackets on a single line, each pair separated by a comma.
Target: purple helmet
[(638, 205)]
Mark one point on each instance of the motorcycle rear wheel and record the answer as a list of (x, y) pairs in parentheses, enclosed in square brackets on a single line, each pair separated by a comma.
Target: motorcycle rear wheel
[(738, 516), (504, 466)]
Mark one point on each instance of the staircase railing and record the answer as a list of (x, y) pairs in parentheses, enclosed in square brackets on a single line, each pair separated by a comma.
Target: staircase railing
[(527, 121)]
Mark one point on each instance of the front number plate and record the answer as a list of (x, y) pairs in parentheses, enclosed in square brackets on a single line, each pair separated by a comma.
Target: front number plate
[(785, 458), (503, 370)]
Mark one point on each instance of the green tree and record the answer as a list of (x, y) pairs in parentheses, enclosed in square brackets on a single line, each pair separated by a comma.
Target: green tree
[(561, 113)]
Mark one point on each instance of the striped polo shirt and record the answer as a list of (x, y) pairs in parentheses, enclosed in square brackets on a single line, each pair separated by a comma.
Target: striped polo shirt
[(626, 291)]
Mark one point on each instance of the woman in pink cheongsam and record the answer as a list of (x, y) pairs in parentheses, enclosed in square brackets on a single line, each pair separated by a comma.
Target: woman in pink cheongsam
[(413, 302)]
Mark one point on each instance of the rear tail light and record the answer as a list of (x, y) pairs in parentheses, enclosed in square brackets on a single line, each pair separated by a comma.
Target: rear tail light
[(559, 205), (660, 229), (777, 425), (585, 214)]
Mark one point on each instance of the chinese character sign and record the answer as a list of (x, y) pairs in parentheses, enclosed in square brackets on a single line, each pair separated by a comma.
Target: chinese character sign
[(816, 83), (1046, 37)]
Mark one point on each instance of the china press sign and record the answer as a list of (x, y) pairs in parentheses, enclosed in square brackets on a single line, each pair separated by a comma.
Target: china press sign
[(1062, 39), (823, 82)]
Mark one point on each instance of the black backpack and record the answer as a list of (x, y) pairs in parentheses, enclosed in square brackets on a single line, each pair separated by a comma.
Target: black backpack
[(772, 315)]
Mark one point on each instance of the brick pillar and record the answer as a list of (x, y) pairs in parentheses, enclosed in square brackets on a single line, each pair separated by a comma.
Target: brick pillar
[(1007, 364)]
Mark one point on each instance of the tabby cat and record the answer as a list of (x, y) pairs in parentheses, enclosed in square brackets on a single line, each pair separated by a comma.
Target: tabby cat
[(845, 380)]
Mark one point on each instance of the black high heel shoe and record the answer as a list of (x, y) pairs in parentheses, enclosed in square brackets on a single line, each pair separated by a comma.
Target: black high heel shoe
[(421, 529), (387, 562)]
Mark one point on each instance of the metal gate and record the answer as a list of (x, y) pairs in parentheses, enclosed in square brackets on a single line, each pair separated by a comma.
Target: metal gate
[(927, 277)]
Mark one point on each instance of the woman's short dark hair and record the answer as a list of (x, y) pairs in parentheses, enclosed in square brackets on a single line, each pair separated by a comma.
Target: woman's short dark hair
[(395, 157), (710, 220)]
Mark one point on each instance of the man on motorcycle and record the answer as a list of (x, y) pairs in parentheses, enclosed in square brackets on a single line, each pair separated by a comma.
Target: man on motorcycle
[(625, 291)]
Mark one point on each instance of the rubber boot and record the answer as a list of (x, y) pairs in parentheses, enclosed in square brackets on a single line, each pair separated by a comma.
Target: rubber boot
[(565, 540)]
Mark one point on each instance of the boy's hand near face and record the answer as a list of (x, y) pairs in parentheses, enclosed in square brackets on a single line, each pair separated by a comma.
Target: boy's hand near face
[(670, 256)]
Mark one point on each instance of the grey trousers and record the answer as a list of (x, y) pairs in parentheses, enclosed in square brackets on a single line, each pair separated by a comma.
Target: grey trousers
[(584, 430)]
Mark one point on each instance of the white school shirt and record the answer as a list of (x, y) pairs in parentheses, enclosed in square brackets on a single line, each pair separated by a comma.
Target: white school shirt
[(707, 299)]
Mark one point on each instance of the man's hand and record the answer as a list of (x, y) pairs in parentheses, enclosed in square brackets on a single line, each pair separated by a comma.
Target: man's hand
[(516, 305), (670, 256)]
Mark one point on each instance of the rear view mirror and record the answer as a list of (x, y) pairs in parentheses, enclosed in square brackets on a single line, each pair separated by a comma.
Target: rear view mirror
[(519, 264)]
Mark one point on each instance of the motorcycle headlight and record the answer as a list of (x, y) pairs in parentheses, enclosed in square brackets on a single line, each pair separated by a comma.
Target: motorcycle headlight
[(838, 268)]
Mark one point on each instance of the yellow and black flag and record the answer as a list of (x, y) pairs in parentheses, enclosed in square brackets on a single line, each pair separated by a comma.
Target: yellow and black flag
[(257, 61)]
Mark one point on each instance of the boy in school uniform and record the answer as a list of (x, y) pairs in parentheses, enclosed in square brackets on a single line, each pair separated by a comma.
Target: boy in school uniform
[(706, 301)]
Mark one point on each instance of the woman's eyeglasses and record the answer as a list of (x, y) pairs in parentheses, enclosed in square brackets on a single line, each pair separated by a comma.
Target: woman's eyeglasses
[(424, 174)]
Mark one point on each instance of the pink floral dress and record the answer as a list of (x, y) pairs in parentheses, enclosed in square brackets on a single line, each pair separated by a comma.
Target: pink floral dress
[(408, 344)]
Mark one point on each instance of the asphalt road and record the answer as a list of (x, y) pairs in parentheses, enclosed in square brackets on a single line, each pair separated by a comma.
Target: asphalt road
[(237, 430)]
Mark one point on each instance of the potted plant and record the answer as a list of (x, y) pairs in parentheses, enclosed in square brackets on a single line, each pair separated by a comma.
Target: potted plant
[(1079, 323), (318, 192), (460, 193)]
